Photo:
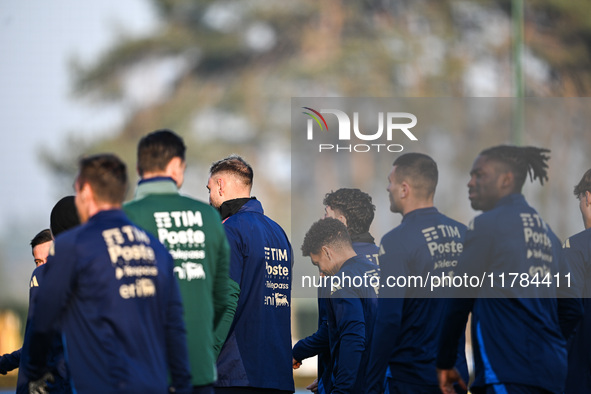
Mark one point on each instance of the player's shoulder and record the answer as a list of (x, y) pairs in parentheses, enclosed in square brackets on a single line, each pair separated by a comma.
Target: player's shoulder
[(578, 241), (251, 218), (452, 222), (396, 241), (170, 203), (396, 232), (486, 221), (393, 235), (183, 201)]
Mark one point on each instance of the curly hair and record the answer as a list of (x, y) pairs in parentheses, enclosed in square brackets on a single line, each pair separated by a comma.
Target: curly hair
[(584, 184), (355, 205), (325, 232)]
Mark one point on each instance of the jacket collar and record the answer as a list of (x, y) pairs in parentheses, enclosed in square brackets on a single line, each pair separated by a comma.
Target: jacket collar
[(231, 207), (107, 214), (157, 185), (510, 199), (365, 238), (419, 212)]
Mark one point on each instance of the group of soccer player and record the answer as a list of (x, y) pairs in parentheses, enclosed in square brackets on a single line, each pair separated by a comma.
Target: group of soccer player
[(529, 329), (158, 294), (165, 293)]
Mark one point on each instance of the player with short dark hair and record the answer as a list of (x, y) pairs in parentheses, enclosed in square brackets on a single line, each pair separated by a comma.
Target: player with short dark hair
[(193, 232), (576, 256), (355, 209), (40, 245), (422, 170), (105, 177), (156, 150), (426, 242), (517, 339), (350, 309), (63, 217), (584, 184), (109, 288)]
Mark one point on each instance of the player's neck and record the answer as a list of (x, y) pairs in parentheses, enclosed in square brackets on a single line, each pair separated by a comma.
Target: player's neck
[(417, 205)]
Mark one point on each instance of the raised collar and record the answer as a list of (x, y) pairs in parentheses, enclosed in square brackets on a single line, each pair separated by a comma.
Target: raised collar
[(231, 207), (157, 185), (364, 237)]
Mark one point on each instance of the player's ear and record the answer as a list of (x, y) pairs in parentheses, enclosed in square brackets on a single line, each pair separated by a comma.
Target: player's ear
[(507, 180), (86, 192), (342, 219), (221, 185), (588, 197), (327, 252), (176, 170), (404, 189)]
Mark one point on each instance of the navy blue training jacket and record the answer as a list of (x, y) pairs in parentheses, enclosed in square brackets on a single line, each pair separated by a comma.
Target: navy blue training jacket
[(406, 335), (576, 256), (257, 351), (318, 343), (351, 312), (515, 329), (110, 288), (56, 362)]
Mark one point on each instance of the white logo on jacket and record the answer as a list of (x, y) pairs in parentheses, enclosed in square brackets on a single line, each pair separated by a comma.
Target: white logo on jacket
[(281, 300), (190, 271)]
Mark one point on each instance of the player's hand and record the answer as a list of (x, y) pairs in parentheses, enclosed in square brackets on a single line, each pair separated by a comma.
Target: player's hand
[(296, 363), (3, 370), (40, 386), (447, 378), (313, 387)]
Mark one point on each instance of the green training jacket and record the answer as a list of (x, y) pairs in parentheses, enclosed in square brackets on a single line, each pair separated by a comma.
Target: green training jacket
[(192, 232)]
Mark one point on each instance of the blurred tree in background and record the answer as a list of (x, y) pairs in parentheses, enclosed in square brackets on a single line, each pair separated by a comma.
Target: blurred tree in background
[(222, 73)]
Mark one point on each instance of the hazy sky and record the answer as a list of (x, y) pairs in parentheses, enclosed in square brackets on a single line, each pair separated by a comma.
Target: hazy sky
[(38, 38)]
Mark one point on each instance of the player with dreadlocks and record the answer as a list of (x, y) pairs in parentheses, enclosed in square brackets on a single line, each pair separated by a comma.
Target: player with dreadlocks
[(517, 339)]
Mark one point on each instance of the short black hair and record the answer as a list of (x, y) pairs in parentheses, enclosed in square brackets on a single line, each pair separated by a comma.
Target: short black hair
[(584, 184), (157, 149), (325, 232), (41, 237), (355, 205), (107, 176), (419, 170), (235, 165), (521, 161)]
